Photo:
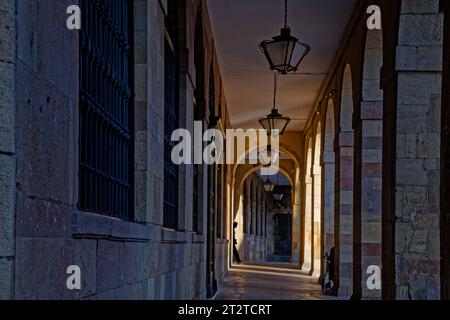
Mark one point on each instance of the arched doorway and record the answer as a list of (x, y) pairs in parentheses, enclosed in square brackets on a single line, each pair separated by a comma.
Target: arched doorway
[(289, 165), (267, 215), (255, 210)]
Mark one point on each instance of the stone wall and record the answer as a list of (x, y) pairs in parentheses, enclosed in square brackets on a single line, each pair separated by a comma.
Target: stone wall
[(118, 259), (7, 146), (368, 171), (419, 52)]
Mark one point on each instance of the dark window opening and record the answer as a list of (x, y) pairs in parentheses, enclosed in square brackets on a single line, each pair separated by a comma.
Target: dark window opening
[(171, 116), (106, 138), (170, 125), (196, 200)]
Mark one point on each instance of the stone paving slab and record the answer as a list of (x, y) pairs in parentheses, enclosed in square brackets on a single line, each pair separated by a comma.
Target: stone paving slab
[(248, 283)]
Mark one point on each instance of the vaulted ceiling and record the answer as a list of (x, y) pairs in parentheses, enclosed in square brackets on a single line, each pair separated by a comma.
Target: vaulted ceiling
[(239, 26)]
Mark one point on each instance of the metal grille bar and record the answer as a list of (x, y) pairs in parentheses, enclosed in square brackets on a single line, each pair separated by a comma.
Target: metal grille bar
[(106, 108), (171, 123)]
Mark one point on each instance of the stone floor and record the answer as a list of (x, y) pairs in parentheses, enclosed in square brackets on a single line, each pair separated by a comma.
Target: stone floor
[(268, 283)]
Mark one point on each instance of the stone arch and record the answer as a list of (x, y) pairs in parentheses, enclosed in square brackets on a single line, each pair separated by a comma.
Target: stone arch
[(417, 155), (367, 228), (298, 222), (247, 183), (344, 214), (328, 178), (283, 149)]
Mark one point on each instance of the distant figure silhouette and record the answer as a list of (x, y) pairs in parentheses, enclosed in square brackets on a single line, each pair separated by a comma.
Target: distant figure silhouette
[(235, 250)]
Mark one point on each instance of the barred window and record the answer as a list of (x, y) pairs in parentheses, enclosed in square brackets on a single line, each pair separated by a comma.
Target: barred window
[(195, 195), (171, 114), (106, 108), (170, 125)]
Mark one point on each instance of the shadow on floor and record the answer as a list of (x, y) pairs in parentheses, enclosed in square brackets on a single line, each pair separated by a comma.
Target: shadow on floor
[(262, 282)]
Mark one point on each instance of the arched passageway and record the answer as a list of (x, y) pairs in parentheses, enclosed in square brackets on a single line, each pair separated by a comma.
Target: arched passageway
[(266, 218)]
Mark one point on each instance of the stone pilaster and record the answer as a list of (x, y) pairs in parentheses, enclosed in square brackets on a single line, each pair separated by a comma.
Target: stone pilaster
[(317, 216), (371, 193), (7, 147), (345, 257), (417, 213), (308, 216)]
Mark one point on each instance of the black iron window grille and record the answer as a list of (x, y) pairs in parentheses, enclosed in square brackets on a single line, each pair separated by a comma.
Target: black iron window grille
[(195, 195), (170, 125), (171, 114), (106, 108)]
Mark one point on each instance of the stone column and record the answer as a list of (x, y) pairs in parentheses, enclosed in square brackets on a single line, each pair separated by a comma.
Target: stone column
[(317, 213), (418, 133), (257, 219), (296, 218), (308, 259), (248, 208), (263, 227), (345, 256), (247, 217), (368, 195), (329, 178), (253, 237), (7, 147)]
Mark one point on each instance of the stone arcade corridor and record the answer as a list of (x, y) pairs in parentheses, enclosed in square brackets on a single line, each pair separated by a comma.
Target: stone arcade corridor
[(353, 204)]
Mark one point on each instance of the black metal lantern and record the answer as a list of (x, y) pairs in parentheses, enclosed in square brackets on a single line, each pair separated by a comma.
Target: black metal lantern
[(268, 186), (284, 52), (275, 120)]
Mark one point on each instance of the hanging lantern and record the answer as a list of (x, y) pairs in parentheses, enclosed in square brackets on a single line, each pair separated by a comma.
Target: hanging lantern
[(268, 186), (275, 121), (284, 52)]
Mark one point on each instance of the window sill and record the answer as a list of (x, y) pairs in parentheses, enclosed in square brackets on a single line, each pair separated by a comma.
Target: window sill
[(90, 225), (198, 238), (173, 236)]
